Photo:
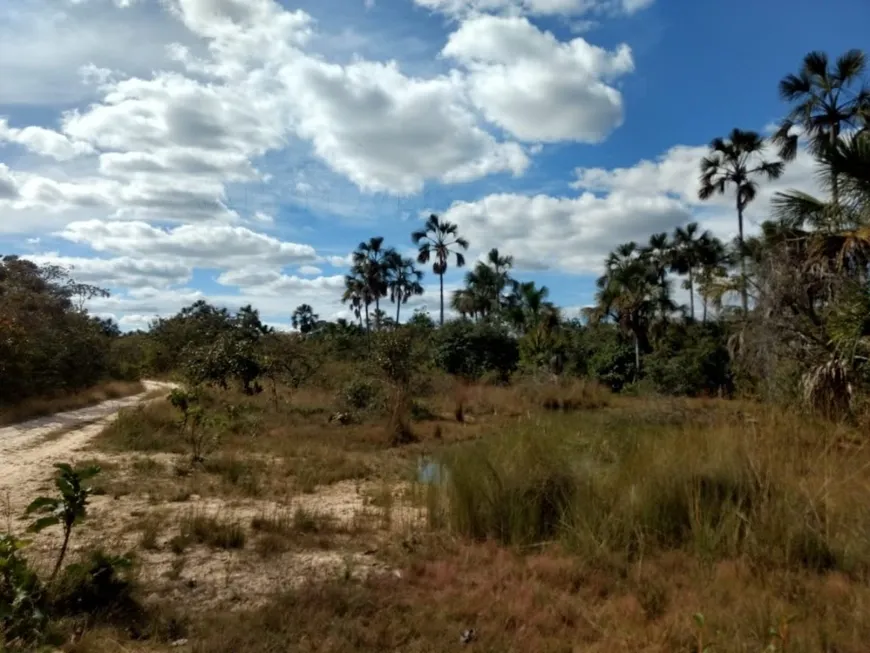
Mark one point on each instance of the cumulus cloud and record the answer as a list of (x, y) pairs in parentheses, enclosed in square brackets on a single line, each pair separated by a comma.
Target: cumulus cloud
[(121, 272), (310, 270), (8, 185), (574, 234), (570, 234), (536, 87), (210, 246), (45, 142)]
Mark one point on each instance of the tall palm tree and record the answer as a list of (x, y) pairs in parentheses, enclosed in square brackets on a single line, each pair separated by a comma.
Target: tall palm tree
[(439, 240), (738, 161), (464, 303), (627, 291), (370, 260), (712, 277), (660, 252), (403, 280), (484, 286), (501, 266), (826, 101), (690, 248), (358, 294), (528, 307)]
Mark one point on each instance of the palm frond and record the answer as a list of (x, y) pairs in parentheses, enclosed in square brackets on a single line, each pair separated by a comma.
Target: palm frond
[(850, 65)]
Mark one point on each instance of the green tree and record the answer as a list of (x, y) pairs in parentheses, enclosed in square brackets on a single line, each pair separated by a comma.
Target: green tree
[(370, 263), (304, 318), (691, 248), (357, 293), (403, 281), (628, 292), (827, 100), (737, 161), (439, 240), (660, 254)]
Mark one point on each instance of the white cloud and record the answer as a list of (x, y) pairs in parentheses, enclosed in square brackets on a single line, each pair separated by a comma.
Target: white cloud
[(310, 270), (536, 87), (371, 123), (45, 142), (8, 184), (210, 246), (121, 272), (562, 233), (574, 234), (537, 7)]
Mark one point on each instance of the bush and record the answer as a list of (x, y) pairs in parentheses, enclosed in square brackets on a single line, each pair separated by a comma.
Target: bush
[(362, 395), (470, 350), (101, 586), (23, 604), (690, 360)]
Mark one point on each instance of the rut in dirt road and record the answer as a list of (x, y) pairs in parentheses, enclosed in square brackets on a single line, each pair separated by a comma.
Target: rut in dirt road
[(27, 456)]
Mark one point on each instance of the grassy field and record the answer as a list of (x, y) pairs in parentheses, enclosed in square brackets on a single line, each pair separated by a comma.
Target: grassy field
[(566, 519)]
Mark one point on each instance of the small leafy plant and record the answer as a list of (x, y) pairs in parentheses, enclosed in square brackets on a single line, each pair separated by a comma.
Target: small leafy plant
[(193, 430), (23, 603), (67, 509)]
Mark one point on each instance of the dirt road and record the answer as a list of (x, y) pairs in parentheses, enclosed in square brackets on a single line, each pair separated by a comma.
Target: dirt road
[(28, 450)]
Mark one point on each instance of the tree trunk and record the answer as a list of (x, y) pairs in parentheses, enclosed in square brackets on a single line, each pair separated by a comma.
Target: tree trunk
[(744, 297), (66, 533), (368, 323), (835, 181), (692, 293), (377, 313), (441, 278), (398, 307), (704, 308)]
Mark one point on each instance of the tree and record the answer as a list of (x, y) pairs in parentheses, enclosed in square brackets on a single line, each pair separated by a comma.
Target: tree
[(826, 101), (304, 318), (439, 240), (357, 294), (690, 250), (501, 266), (627, 292), (713, 280), (403, 280), (737, 161), (370, 262), (660, 254)]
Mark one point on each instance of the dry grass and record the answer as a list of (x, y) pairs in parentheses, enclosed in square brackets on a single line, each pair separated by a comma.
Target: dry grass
[(571, 520), (42, 406), (553, 602)]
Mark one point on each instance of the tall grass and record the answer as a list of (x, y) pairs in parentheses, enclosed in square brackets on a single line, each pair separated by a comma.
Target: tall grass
[(772, 488)]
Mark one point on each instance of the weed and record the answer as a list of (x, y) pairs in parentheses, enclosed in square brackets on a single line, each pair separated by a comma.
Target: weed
[(212, 531)]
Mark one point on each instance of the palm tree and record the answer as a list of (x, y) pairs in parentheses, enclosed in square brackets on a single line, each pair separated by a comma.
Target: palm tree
[(528, 307), (627, 291), (370, 261), (737, 161), (660, 252), (304, 318), (357, 294), (712, 278), (484, 285), (403, 280), (440, 240), (690, 248), (826, 101), (464, 303), (501, 266)]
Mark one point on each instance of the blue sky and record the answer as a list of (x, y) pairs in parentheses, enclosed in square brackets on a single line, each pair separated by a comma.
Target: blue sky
[(239, 150)]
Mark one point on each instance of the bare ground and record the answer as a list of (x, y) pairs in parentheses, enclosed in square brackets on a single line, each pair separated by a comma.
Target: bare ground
[(28, 450), (201, 577)]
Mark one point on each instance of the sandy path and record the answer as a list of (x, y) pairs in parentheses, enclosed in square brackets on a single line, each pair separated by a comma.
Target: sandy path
[(27, 455)]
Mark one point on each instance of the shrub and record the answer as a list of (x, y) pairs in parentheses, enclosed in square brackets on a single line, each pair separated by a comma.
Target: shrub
[(690, 360), (101, 586), (470, 350), (23, 603), (361, 395)]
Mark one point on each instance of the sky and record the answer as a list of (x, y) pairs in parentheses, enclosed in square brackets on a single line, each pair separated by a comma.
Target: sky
[(238, 150)]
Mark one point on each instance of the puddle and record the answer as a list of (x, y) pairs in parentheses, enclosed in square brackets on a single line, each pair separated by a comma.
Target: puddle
[(431, 472)]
